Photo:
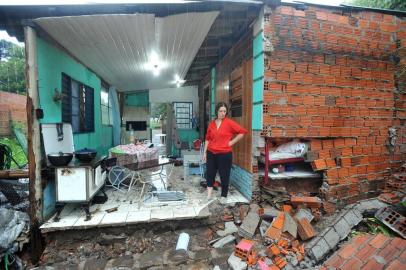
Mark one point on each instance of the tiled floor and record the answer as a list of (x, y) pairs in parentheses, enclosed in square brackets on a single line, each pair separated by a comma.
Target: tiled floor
[(129, 211)]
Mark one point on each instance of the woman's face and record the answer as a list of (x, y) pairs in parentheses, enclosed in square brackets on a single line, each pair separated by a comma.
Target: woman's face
[(221, 113)]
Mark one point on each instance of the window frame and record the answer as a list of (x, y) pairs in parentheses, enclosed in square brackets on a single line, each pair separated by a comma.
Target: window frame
[(85, 105), (108, 106)]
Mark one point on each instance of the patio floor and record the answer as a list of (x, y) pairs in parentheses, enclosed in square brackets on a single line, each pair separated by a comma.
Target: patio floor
[(126, 210)]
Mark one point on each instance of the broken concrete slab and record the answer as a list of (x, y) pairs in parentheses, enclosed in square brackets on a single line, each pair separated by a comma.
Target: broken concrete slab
[(236, 263), (353, 217), (342, 228), (220, 255), (319, 250), (332, 237), (249, 225), (229, 229), (371, 205), (304, 213), (224, 241), (263, 227), (290, 225)]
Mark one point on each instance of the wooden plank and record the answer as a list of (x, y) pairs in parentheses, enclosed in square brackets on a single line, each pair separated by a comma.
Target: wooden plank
[(13, 174)]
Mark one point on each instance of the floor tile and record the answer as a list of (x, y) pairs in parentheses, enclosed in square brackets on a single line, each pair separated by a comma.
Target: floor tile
[(94, 221), (162, 213), (114, 218), (183, 212), (138, 216)]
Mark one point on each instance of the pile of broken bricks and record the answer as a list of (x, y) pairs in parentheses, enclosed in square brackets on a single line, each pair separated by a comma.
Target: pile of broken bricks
[(281, 241)]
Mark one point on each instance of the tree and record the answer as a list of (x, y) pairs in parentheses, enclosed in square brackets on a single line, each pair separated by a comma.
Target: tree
[(12, 68), (386, 4)]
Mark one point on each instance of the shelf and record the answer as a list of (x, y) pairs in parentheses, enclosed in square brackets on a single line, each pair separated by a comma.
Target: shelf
[(285, 160), (291, 175)]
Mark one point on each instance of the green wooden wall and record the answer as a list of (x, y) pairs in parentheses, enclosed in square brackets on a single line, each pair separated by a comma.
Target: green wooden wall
[(51, 63), (258, 81)]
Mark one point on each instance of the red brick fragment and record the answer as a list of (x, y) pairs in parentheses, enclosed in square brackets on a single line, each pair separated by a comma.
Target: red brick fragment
[(319, 164), (305, 229), (313, 202)]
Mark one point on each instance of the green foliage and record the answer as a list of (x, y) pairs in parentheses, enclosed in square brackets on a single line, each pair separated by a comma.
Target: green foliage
[(17, 151), (385, 4), (12, 68)]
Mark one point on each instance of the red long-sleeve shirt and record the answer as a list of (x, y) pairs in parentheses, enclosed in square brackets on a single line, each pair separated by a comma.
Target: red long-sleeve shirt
[(219, 138)]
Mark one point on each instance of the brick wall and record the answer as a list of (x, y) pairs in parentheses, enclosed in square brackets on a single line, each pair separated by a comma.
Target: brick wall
[(330, 79), (242, 180), (400, 96), (11, 106)]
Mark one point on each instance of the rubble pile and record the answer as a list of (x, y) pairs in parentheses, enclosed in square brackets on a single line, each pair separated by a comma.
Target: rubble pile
[(283, 232)]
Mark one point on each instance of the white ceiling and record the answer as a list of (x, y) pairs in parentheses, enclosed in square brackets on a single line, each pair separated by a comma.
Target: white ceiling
[(118, 47)]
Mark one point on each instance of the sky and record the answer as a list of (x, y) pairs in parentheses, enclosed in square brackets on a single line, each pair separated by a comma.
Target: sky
[(4, 35)]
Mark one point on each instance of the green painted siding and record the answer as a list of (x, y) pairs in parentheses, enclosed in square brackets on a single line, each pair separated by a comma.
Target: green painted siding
[(137, 99), (213, 92), (258, 93), (257, 117), (51, 63), (258, 81), (257, 44)]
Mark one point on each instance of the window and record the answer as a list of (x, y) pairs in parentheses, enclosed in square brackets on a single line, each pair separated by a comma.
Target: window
[(77, 105), (183, 114), (106, 110)]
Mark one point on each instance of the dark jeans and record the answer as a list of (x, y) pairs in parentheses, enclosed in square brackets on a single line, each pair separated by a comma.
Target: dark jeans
[(222, 163)]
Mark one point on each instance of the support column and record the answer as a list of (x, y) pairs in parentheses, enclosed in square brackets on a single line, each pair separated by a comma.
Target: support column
[(34, 143)]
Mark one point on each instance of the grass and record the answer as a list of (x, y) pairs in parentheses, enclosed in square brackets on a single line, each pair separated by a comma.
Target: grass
[(17, 151)]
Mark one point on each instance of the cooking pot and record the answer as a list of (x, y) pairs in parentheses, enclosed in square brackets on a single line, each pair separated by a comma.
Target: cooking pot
[(60, 159), (85, 155)]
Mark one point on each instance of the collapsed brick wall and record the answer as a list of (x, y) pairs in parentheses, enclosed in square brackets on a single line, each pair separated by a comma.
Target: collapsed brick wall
[(329, 78), (399, 147), (12, 107)]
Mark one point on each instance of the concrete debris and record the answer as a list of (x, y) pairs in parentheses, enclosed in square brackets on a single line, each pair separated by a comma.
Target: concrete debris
[(392, 219), (236, 263), (229, 229), (249, 225), (304, 213), (268, 213), (290, 225), (327, 240), (223, 241)]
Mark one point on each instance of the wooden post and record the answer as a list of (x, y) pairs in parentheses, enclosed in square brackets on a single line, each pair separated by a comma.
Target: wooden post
[(34, 143)]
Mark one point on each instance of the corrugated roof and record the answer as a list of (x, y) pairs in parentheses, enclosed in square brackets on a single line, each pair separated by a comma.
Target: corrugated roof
[(123, 49)]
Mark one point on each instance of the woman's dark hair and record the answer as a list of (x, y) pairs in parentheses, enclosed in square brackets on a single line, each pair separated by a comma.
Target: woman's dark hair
[(219, 105)]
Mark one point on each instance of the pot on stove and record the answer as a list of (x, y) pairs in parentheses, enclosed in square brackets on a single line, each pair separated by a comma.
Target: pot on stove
[(60, 158), (85, 155)]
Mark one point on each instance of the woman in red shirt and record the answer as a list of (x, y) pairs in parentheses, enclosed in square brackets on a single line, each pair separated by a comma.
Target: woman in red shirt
[(218, 149)]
